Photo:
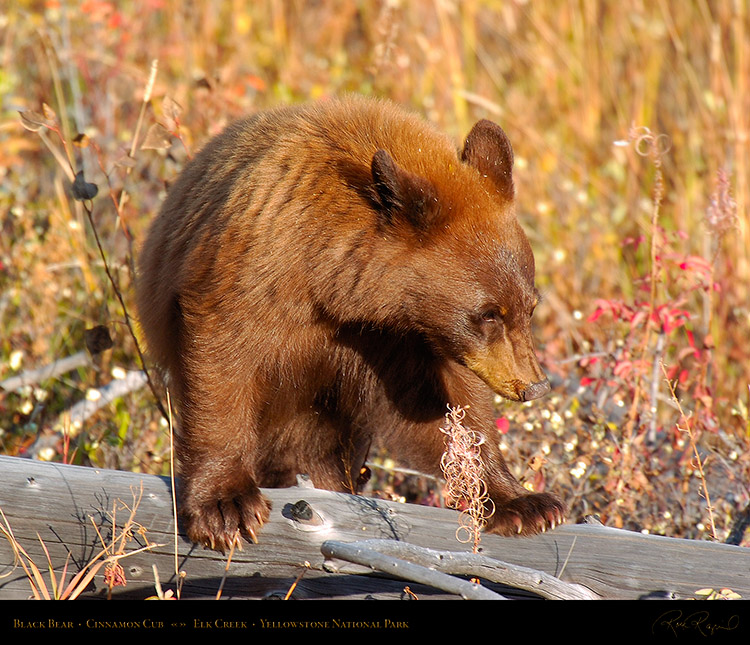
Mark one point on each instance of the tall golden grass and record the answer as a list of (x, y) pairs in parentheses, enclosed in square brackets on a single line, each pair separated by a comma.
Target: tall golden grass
[(576, 84)]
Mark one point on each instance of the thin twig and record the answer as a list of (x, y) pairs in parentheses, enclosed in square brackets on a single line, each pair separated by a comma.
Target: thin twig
[(172, 479), (296, 582), (406, 570), (53, 370), (478, 565), (689, 431), (126, 314), (235, 542)]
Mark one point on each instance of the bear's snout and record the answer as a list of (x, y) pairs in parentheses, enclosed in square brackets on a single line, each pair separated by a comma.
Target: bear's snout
[(535, 390)]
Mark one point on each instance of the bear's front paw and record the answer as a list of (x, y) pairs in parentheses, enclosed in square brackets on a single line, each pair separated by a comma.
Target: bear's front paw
[(219, 524), (526, 515)]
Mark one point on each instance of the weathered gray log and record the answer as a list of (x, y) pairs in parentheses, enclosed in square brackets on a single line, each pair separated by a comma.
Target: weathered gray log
[(68, 507)]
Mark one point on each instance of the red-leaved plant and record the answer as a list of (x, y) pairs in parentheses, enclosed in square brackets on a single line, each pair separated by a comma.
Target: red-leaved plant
[(662, 330)]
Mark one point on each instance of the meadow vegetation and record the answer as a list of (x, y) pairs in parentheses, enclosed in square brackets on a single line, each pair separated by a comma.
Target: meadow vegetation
[(630, 125)]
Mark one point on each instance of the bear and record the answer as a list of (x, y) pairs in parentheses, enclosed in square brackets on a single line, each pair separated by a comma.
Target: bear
[(330, 276)]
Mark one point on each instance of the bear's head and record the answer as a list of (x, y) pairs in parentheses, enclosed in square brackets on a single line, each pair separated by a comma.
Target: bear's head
[(466, 268)]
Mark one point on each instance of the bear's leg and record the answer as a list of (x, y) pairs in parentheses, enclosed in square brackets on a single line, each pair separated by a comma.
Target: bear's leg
[(217, 445), (514, 510), (527, 514), (221, 503), (221, 500)]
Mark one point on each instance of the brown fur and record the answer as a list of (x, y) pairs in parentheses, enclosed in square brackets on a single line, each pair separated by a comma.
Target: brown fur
[(327, 276)]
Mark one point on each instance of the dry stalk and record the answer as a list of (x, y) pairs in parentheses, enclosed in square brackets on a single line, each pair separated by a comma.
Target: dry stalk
[(464, 473), (296, 582), (235, 543), (654, 146), (699, 464), (180, 575), (126, 313)]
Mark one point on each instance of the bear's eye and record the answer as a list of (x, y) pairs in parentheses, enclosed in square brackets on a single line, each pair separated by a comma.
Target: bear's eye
[(491, 315)]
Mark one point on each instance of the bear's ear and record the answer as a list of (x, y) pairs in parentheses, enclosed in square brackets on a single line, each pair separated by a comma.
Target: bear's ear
[(400, 193), (488, 149)]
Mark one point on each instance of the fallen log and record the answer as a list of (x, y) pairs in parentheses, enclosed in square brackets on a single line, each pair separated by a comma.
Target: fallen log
[(73, 513)]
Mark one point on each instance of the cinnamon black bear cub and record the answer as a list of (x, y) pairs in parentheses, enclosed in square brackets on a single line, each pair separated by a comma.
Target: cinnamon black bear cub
[(329, 276)]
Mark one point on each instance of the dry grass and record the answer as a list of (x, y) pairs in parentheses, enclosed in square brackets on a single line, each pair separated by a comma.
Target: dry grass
[(618, 237), (113, 550)]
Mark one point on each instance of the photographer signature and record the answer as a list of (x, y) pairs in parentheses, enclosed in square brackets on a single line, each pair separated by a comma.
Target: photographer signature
[(677, 623)]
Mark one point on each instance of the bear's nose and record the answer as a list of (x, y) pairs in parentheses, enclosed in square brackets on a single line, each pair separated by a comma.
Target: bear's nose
[(535, 390)]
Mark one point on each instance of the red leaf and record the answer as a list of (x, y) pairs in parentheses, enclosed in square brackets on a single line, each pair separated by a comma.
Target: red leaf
[(696, 264), (502, 424)]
